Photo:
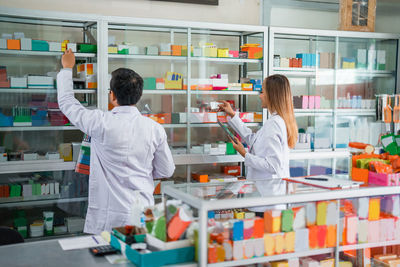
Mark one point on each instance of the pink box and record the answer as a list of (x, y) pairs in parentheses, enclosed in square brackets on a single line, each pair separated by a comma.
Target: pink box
[(233, 53), (305, 102), (52, 105), (317, 102), (373, 231), (311, 101), (383, 179), (246, 116)]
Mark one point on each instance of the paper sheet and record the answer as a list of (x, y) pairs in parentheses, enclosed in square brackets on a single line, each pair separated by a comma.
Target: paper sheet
[(116, 259), (82, 242)]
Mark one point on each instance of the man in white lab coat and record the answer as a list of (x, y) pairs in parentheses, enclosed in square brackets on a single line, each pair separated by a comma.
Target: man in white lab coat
[(128, 150)]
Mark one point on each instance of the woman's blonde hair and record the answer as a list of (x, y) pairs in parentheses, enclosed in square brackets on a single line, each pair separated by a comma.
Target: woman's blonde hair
[(279, 100)]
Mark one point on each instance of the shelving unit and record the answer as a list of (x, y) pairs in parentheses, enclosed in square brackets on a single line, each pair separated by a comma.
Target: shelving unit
[(47, 26), (334, 82)]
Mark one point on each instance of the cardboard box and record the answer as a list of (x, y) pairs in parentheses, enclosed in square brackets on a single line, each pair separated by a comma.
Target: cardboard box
[(223, 52), (3, 43), (165, 49), (55, 46), (40, 45), (13, 44), (40, 82), (72, 46), (16, 82), (176, 50), (26, 44)]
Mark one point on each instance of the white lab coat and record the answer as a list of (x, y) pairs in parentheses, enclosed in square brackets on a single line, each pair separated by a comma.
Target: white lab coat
[(128, 150), (268, 156)]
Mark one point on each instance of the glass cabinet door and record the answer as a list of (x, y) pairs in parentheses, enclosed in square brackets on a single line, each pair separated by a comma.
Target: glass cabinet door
[(366, 70), (225, 65), (38, 145), (308, 62)]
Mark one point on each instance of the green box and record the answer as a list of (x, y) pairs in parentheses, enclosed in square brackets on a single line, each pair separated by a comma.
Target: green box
[(22, 119), (149, 83), (124, 51), (229, 149), (87, 48), (40, 45), (287, 220)]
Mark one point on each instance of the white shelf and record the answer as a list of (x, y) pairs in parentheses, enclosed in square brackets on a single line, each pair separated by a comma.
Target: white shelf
[(273, 258), (188, 159), (36, 166), (37, 200), (164, 92), (43, 91), (199, 92), (37, 128), (224, 92), (369, 245), (147, 57), (184, 58), (42, 53), (356, 112), (312, 112), (206, 125), (312, 72)]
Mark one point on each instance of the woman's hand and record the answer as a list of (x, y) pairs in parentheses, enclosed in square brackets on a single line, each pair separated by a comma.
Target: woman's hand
[(68, 59), (238, 146), (227, 108)]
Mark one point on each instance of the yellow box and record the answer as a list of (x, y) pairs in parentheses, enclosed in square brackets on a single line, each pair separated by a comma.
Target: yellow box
[(173, 80), (290, 238), (374, 209), (279, 243), (112, 50), (65, 151), (210, 50), (239, 215), (247, 87), (272, 221), (269, 244), (223, 52), (322, 208), (279, 264)]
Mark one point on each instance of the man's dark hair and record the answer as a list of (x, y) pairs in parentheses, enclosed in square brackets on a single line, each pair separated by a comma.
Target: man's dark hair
[(127, 86)]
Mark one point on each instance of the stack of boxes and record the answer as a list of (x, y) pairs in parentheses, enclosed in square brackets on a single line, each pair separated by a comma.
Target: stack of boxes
[(32, 188), (88, 72)]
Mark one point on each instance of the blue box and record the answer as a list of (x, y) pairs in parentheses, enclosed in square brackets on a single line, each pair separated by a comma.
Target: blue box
[(237, 231), (257, 84), (6, 121), (156, 258), (40, 45)]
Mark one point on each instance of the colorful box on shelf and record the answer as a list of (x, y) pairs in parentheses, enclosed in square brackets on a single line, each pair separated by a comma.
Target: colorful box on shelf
[(149, 83), (233, 53), (13, 44), (173, 80), (348, 63), (176, 50), (154, 258), (165, 49), (72, 46), (40, 45), (55, 47), (39, 118), (3, 43), (257, 84), (152, 50), (112, 49), (123, 49), (6, 121), (223, 52), (87, 48), (26, 44), (44, 82), (383, 179), (18, 82), (209, 50), (253, 50)]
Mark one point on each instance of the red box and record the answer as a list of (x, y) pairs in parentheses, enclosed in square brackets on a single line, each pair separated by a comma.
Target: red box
[(233, 53), (231, 170), (383, 179)]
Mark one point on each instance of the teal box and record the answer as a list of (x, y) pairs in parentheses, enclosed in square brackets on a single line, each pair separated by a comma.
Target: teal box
[(155, 258), (149, 83), (40, 45)]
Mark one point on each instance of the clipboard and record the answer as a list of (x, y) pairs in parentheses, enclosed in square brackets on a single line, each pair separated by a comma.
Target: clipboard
[(226, 130), (331, 183)]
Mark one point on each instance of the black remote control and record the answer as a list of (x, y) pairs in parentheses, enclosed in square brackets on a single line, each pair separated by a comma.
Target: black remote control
[(103, 250)]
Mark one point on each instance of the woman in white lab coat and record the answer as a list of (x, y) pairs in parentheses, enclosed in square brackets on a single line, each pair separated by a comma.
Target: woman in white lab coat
[(267, 156)]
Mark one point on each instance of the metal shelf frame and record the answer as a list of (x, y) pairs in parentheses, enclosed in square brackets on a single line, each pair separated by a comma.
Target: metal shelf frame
[(315, 74), (203, 206), (42, 91), (39, 201)]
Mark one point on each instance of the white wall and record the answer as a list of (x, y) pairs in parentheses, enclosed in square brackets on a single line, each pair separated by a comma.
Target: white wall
[(313, 19), (228, 11)]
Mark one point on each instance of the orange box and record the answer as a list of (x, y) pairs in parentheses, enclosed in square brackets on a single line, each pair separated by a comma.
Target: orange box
[(258, 228), (253, 52), (157, 188), (200, 177), (313, 237), (231, 170), (165, 53), (212, 253), (331, 236), (13, 44), (322, 234), (272, 221), (258, 117), (359, 175), (176, 50)]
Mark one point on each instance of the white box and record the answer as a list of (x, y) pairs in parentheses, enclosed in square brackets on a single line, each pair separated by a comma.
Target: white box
[(26, 190), (54, 46), (197, 51), (142, 50), (75, 150), (133, 49), (161, 245), (19, 35), (19, 82), (361, 57), (6, 36), (111, 40), (234, 86), (152, 50), (30, 156), (219, 82), (40, 82), (51, 188), (47, 189), (26, 44), (196, 150), (43, 189), (371, 59), (160, 86), (206, 148), (222, 148), (3, 43), (381, 57), (197, 117), (211, 117), (3, 157), (56, 188), (165, 47), (71, 46), (52, 155)]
